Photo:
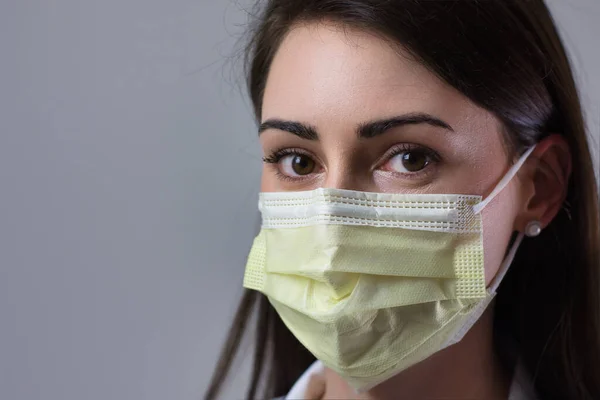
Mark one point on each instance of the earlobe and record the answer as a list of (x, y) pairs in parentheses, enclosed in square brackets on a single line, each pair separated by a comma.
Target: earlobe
[(548, 182)]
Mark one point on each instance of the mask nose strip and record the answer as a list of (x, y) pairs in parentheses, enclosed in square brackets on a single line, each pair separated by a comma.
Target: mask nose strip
[(504, 181)]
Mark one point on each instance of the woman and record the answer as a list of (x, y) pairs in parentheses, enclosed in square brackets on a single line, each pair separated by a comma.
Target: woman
[(415, 152)]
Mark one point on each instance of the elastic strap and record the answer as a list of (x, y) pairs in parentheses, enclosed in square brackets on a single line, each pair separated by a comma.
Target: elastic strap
[(503, 182), (506, 263)]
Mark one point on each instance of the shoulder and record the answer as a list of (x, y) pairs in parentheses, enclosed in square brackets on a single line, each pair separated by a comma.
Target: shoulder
[(311, 384)]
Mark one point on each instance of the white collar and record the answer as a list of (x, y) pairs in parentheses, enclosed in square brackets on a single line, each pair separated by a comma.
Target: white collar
[(312, 380)]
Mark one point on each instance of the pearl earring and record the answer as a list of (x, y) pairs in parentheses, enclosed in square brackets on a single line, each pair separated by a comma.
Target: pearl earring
[(533, 228)]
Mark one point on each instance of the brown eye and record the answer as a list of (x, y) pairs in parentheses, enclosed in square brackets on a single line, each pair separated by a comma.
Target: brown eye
[(414, 161), (297, 165), (409, 161)]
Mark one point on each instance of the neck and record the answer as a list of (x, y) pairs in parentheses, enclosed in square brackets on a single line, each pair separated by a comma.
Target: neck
[(466, 370)]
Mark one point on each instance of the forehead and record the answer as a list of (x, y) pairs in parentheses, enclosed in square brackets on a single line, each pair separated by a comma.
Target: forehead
[(325, 74)]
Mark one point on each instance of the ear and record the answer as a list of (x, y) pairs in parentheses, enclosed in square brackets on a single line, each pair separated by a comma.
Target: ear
[(544, 185)]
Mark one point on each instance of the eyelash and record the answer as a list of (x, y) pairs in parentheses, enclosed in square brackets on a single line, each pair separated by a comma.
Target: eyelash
[(406, 147), (276, 156)]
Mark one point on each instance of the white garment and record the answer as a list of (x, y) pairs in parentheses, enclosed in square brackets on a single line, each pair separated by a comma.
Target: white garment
[(312, 381)]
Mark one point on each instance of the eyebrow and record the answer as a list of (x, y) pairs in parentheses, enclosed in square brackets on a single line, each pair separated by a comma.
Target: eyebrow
[(297, 128), (364, 130)]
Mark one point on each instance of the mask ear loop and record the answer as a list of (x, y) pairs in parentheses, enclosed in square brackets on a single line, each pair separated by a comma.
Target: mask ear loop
[(506, 263), (504, 181), (478, 207)]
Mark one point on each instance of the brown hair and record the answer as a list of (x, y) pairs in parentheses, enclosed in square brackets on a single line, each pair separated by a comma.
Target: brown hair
[(507, 57)]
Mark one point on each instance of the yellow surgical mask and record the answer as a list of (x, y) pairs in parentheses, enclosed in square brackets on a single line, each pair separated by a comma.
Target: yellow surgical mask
[(373, 283)]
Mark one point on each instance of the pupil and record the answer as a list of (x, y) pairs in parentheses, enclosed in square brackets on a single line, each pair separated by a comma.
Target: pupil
[(302, 165), (414, 161)]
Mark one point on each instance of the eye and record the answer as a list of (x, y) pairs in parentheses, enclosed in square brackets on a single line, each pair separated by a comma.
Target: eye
[(297, 165), (292, 163), (409, 160), (412, 161)]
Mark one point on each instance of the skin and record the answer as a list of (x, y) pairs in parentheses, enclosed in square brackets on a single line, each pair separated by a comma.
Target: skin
[(335, 79)]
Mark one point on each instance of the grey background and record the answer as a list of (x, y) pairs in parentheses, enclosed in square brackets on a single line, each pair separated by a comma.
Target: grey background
[(129, 169)]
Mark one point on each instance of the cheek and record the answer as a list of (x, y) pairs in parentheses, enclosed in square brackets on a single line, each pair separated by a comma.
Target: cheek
[(498, 221), (268, 183)]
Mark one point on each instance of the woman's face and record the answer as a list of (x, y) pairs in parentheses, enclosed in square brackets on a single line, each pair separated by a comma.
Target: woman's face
[(345, 109)]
